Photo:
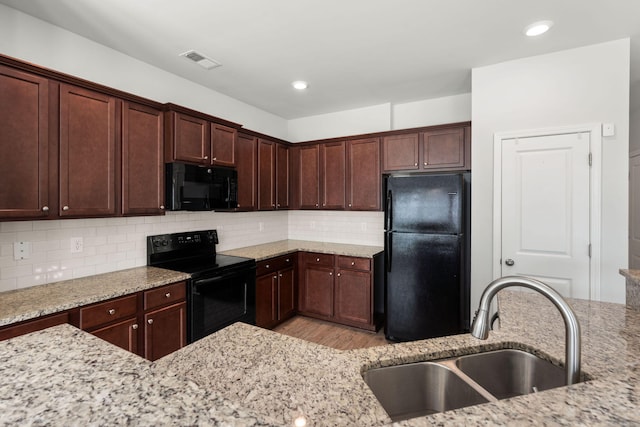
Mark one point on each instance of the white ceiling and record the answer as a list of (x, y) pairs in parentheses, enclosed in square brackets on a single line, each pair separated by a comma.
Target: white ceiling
[(353, 53)]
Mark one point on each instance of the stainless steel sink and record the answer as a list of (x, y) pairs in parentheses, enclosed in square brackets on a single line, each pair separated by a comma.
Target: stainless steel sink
[(418, 389), (509, 373)]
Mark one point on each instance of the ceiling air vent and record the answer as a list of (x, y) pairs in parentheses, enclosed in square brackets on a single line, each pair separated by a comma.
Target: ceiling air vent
[(201, 60)]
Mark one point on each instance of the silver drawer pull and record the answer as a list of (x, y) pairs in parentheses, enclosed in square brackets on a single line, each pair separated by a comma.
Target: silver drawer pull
[(150, 321), (112, 311), (168, 295), (317, 259), (353, 263), (45, 209), (267, 266), (134, 326)]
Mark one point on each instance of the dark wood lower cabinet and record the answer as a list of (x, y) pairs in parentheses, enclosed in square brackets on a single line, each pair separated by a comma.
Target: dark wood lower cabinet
[(165, 331), (26, 327), (275, 291), (123, 334), (341, 289)]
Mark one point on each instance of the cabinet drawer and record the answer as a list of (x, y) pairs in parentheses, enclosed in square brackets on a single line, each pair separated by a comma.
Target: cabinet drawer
[(274, 264), (164, 295), (107, 312), (313, 258), (354, 263)]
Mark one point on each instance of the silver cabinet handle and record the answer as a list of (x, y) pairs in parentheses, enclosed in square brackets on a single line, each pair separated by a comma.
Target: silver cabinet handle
[(349, 204), (280, 275), (317, 259), (150, 321), (278, 204), (168, 295), (415, 164), (353, 263), (161, 206), (267, 266), (215, 158), (45, 209), (65, 208), (134, 326), (205, 157), (425, 163), (330, 274), (339, 274), (275, 277), (509, 262), (287, 260), (316, 205), (112, 311)]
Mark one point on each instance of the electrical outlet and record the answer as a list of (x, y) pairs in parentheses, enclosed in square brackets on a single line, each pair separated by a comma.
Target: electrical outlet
[(77, 245), (21, 250)]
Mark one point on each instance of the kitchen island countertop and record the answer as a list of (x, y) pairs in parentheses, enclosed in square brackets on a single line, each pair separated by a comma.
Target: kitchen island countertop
[(244, 375)]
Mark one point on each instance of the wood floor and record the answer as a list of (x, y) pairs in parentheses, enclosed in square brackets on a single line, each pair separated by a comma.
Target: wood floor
[(330, 334)]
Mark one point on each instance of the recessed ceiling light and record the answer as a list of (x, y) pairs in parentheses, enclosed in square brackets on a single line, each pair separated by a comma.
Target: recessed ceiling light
[(538, 28), (300, 85), (201, 60)]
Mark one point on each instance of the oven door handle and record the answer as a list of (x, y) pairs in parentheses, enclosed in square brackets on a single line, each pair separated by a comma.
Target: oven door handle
[(212, 280)]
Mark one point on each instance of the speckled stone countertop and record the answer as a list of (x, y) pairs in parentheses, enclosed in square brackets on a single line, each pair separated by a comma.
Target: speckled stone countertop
[(64, 376), (279, 376), (283, 247), (251, 375), (29, 303), (632, 287)]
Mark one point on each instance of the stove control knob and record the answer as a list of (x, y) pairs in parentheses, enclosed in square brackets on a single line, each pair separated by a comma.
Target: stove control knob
[(156, 243), (165, 243)]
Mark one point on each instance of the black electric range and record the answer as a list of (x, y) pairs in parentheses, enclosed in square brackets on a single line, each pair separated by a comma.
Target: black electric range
[(222, 287)]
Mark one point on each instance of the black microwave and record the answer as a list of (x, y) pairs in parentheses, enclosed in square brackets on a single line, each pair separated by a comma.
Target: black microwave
[(200, 188)]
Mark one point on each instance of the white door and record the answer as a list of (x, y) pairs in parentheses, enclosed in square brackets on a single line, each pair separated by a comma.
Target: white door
[(634, 214), (545, 210)]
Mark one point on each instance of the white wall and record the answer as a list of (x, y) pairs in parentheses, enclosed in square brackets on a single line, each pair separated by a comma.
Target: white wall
[(383, 117), (30, 39), (573, 87)]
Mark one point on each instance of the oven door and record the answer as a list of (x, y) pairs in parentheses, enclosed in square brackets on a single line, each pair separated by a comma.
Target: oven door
[(218, 301)]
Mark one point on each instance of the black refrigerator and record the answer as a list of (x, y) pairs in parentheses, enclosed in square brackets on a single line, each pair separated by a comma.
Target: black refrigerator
[(427, 268)]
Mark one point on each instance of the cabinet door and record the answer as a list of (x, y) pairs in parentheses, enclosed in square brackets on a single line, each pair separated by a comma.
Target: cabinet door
[(246, 162), (400, 152), (88, 129), (282, 176), (353, 302), (165, 331), (24, 119), (286, 293), (223, 145), (318, 291), (309, 180), (266, 175), (142, 160), (333, 175), (266, 300), (443, 149), (363, 177), (123, 334), (190, 139)]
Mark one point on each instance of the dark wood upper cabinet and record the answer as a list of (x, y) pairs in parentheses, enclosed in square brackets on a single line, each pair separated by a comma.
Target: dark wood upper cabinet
[(443, 149), (400, 152), (188, 139), (440, 149), (282, 179), (223, 145), (363, 174), (333, 175), (266, 174), (24, 127), (142, 160), (308, 182), (88, 153), (247, 167)]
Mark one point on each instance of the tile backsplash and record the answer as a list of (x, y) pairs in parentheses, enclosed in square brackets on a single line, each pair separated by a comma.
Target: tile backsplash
[(110, 244)]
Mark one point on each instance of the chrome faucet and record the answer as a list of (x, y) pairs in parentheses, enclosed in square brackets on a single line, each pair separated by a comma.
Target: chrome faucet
[(480, 326)]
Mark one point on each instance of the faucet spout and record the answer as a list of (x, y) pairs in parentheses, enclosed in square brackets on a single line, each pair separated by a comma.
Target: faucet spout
[(480, 326)]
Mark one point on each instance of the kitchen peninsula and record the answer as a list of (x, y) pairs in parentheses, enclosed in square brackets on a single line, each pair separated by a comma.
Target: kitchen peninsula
[(243, 375)]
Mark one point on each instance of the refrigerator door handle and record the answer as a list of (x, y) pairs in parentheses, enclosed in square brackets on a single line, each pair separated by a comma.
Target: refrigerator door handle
[(387, 251), (389, 209)]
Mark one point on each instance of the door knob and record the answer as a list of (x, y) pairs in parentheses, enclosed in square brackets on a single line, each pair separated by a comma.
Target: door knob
[(509, 262)]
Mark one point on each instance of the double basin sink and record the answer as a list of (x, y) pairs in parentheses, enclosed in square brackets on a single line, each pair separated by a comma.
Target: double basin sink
[(418, 389)]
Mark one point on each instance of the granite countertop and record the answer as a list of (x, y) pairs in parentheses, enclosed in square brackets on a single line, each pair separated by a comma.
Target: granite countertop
[(283, 247), (248, 375), (29, 303)]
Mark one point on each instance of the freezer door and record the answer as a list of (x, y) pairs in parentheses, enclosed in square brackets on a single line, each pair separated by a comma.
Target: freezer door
[(423, 288), (424, 203)]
